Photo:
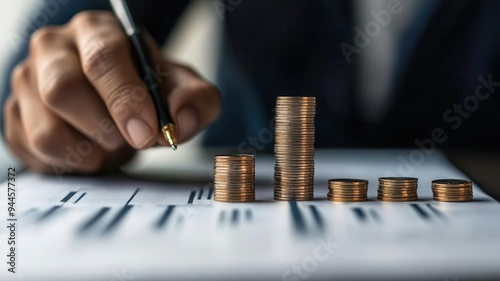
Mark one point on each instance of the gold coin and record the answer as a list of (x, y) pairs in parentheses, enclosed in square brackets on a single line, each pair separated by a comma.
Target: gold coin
[(452, 190), (465, 199), (294, 148), (335, 199), (234, 178), (452, 182), (390, 199), (397, 189), (347, 190)]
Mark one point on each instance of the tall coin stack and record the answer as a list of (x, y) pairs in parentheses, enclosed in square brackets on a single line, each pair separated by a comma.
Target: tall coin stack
[(450, 190), (294, 148), (234, 178), (347, 190), (397, 189)]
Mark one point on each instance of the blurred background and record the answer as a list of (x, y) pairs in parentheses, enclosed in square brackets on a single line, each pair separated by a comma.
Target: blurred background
[(193, 42)]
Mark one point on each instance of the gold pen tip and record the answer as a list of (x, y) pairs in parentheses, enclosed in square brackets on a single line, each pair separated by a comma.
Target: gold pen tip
[(169, 134)]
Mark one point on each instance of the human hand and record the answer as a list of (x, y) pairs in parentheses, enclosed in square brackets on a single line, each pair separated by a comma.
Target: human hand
[(78, 104)]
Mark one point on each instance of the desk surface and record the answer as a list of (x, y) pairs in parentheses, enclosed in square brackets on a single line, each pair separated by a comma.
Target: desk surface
[(143, 226)]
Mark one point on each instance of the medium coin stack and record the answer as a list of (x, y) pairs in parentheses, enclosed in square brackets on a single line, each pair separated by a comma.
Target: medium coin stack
[(451, 190), (347, 190), (397, 189), (234, 178), (294, 148)]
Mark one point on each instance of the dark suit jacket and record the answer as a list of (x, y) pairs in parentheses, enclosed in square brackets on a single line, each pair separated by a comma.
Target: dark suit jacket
[(448, 71)]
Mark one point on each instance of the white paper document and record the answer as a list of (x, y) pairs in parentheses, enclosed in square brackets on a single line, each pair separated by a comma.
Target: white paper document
[(130, 228)]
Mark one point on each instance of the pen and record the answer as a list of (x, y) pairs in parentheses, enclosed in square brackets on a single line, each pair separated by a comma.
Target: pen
[(136, 36)]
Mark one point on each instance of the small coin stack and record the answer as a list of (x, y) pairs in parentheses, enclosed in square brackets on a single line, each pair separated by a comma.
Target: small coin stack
[(234, 178), (451, 190), (397, 189), (347, 190), (294, 148)]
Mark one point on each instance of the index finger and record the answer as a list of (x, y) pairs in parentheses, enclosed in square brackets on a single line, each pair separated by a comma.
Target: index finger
[(105, 55)]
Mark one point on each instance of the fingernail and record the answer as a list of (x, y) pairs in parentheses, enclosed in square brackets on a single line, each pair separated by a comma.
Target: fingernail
[(140, 132), (188, 122)]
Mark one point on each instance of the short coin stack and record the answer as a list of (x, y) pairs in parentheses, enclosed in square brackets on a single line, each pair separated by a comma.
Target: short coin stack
[(294, 148), (347, 190), (397, 189), (234, 178), (451, 190)]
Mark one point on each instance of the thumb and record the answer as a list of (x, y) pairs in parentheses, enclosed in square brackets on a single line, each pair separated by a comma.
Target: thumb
[(193, 102)]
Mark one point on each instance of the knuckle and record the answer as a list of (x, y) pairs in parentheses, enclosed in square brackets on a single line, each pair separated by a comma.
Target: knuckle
[(100, 56), (43, 36), (44, 140), (213, 100), (20, 74), (91, 17), (189, 69), (206, 89), (85, 17), (120, 99), (213, 97), (54, 90), (214, 92)]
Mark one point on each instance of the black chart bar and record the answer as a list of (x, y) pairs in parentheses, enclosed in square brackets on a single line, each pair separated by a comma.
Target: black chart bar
[(421, 212), (200, 194), (118, 218), (86, 226), (80, 198), (317, 216), (49, 213), (166, 215), (248, 214), (435, 210), (298, 221), (67, 197), (235, 217), (191, 197), (375, 215), (210, 193), (132, 197), (360, 214), (222, 217)]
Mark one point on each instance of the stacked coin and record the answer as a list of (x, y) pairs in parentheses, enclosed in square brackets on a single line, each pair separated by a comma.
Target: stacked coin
[(234, 178), (294, 148), (397, 189), (347, 190), (451, 190)]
